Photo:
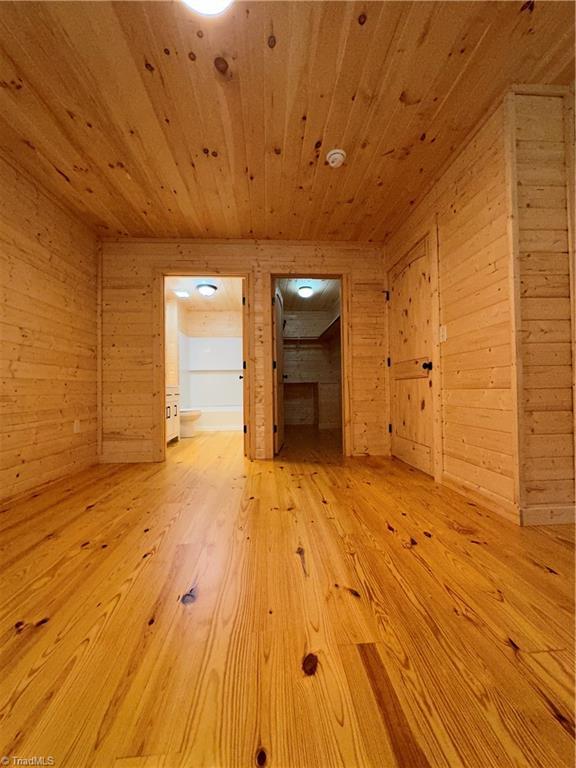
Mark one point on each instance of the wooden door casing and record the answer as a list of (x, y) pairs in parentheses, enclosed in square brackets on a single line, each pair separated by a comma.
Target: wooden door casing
[(278, 330), (245, 371), (411, 352)]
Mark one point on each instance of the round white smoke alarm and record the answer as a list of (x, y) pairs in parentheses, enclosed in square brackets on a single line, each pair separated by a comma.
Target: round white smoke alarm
[(335, 158)]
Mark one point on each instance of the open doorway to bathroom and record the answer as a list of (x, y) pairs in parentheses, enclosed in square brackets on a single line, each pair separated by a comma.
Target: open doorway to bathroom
[(205, 361), (307, 366)]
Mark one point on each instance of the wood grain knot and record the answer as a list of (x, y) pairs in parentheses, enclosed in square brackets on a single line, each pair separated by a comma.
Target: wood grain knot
[(221, 65), (190, 596), (261, 757), (310, 664)]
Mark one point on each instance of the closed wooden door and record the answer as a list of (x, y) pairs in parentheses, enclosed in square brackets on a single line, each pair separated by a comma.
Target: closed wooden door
[(411, 358), (278, 365)]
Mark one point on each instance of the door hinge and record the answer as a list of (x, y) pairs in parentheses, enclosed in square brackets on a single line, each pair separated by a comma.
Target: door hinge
[(243, 301), (390, 428), (244, 364), (387, 295), (388, 362), (274, 365), (245, 428), (275, 428)]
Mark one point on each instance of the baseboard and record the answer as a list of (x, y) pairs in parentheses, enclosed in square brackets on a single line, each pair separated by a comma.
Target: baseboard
[(491, 501), (549, 514), (218, 428)]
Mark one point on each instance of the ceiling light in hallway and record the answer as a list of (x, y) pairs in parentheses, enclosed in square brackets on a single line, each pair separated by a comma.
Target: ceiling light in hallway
[(305, 291)]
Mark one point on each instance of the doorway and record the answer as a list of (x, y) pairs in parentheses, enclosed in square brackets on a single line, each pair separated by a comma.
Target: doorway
[(205, 357), (307, 364)]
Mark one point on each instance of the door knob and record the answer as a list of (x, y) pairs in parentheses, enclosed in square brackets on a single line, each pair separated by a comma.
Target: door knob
[(427, 366), (240, 377)]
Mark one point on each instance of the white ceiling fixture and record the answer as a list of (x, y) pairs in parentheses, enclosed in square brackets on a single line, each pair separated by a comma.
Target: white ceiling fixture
[(336, 158), (182, 294), (305, 291), (206, 289), (208, 7)]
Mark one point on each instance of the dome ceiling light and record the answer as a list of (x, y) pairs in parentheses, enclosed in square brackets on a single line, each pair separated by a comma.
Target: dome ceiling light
[(305, 291), (208, 7), (206, 289)]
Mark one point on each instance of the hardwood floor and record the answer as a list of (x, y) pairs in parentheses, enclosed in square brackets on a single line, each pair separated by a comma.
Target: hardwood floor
[(338, 613)]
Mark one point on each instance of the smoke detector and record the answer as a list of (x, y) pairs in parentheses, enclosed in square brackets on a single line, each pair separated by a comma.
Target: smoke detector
[(335, 158)]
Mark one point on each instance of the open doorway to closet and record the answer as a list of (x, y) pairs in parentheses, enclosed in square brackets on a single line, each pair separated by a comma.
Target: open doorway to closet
[(205, 358), (307, 365)]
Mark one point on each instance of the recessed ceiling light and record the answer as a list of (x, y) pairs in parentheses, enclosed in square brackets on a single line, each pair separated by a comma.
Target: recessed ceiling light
[(305, 291), (206, 289), (208, 7), (182, 294)]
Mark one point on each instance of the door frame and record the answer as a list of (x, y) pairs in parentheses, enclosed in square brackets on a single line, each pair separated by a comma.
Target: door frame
[(159, 358), (345, 383), (429, 236), (278, 434)]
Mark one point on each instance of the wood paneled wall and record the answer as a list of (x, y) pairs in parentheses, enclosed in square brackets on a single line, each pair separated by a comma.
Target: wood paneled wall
[(319, 363), (499, 216), (48, 338), (468, 211), (306, 324), (219, 323), (172, 315), (133, 347), (542, 265)]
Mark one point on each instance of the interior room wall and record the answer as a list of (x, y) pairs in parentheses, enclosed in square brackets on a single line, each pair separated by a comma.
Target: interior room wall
[(499, 214), (173, 319), (313, 376), (131, 285), (49, 338), (542, 170), (468, 210)]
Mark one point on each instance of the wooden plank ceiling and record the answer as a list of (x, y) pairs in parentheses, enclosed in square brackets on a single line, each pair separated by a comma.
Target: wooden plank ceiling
[(149, 120)]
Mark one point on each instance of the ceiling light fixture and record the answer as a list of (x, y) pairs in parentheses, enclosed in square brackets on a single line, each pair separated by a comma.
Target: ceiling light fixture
[(182, 294), (208, 7), (305, 291), (206, 289)]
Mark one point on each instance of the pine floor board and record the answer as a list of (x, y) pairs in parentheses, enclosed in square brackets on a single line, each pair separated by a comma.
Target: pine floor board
[(435, 633)]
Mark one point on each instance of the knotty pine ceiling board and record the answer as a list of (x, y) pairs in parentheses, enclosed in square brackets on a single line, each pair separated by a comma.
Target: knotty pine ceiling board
[(151, 121)]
